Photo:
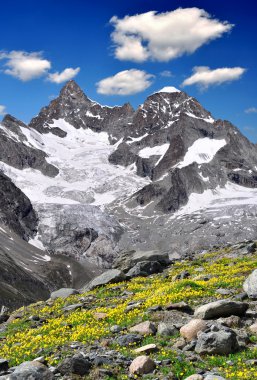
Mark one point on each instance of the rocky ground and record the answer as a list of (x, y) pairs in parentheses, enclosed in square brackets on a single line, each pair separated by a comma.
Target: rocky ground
[(191, 319)]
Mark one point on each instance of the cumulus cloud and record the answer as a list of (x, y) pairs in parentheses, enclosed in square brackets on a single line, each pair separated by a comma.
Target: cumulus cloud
[(166, 74), (251, 110), (164, 36), (25, 66), (125, 82), (205, 77), (63, 76), (2, 110)]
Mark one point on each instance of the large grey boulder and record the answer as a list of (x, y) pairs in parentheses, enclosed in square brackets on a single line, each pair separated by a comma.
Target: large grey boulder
[(218, 340), (145, 268), (221, 308), (33, 370), (77, 365), (63, 293), (109, 277), (250, 285), (129, 259)]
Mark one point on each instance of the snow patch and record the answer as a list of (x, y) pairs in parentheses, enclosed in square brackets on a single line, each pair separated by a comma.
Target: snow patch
[(203, 150), (168, 89), (158, 150)]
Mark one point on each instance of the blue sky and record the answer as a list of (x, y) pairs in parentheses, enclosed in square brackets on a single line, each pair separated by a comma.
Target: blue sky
[(78, 34)]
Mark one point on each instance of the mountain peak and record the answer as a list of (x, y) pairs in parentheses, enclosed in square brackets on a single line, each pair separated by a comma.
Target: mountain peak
[(169, 89), (71, 89)]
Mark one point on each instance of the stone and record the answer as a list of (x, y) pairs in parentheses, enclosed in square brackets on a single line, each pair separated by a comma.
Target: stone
[(144, 268), (195, 377), (147, 349), (250, 285), (128, 339), (77, 365), (31, 370), (180, 306), (233, 321), (218, 340), (99, 316), (73, 307), (109, 277), (166, 329), (253, 328), (142, 365), (115, 329), (221, 308), (63, 293), (144, 328), (3, 365), (129, 259), (214, 377), (192, 328)]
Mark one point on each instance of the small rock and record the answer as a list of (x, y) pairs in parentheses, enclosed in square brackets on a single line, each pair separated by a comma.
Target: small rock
[(142, 365), (165, 329), (4, 366), (222, 308), (223, 292), (195, 377), (146, 349), (73, 307), (100, 316), (180, 343), (233, 321), (253, 328), (129, 339), (115, 329), (63, 293), (144, 328), (214, 377), (180, 306), (250, 285), (191, 329)]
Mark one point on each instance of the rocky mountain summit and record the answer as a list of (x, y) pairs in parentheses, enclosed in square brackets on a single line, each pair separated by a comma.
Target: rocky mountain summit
[(94, 183)]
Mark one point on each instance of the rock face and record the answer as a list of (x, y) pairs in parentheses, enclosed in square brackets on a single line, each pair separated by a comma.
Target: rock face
[(250, 285), (222, 308), (217, 340)]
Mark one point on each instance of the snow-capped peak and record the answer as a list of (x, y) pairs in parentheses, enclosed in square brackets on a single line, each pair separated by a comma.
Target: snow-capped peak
[(169, 89)]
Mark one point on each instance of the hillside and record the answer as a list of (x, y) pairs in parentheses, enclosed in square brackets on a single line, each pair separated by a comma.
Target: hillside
[(92, 334)]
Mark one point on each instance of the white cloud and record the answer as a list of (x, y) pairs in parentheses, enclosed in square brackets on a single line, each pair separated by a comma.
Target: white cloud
[(205, 77), (164, 36), (2, 110), (166, 74), (64, 76), (125, 82), (251, 110), (25, 66)]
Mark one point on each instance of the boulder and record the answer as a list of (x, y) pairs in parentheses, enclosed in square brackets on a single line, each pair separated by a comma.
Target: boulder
[(144, 328), (4, 365), (142, 365), (63, 293), (192, 328), (195, 376), (109, 277), (214, 377), (250, 285), (180, 306), (222, 308), (166, 329), (144, 268), (218, 340), (77, 365), (128, 260), (31, 370)]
